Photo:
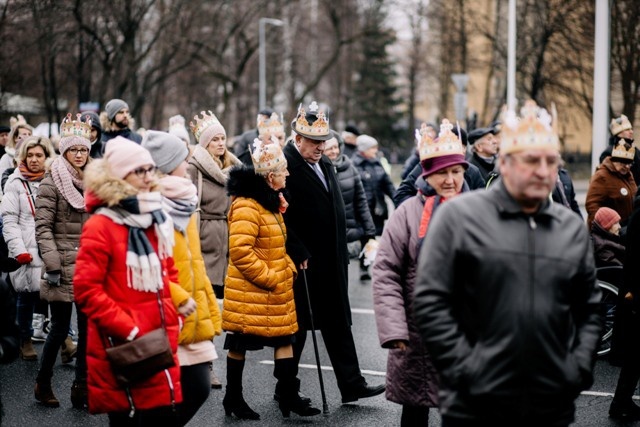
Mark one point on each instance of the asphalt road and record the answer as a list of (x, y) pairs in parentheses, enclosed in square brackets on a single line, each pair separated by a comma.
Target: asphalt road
[(20, 408)]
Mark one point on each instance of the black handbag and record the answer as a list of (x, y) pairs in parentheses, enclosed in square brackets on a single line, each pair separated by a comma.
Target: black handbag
[(143, 357)]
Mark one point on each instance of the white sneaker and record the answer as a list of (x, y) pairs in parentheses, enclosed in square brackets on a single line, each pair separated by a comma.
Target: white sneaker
[(40, 326)]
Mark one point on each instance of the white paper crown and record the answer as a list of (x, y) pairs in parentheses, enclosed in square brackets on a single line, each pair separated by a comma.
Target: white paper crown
[(271, 125), (319, 128), (620, 151), (203, 123), (77, 127), (446, 143), (267, 157), (536, 128)]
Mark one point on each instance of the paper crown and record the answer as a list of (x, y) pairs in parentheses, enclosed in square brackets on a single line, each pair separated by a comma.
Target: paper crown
[(619, 124), (271, 125), (621, 152), (203, 123), (267, 157), (319, 130), (77, 127), (446, 143), (535, 129)]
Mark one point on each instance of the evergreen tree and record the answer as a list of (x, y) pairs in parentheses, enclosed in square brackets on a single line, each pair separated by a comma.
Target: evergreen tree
[(374, 102)]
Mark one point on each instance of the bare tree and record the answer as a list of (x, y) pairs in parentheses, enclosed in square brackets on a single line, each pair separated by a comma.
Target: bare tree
[(625, 54)]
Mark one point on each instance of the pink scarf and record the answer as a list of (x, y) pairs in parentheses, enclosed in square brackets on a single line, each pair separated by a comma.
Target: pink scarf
[(67, 179)]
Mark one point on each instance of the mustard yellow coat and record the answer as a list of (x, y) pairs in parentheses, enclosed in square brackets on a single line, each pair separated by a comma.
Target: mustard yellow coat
[(206, 322), (258, 295)]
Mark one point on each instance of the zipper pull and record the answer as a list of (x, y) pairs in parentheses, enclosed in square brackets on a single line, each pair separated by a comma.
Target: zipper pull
[(532, 223)]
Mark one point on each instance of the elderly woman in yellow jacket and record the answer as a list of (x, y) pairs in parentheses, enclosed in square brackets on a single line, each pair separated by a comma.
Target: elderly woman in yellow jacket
[(259, 308), (196, 350)]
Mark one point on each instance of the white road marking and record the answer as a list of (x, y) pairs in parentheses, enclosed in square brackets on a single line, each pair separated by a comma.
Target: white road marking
[(362, 310), (328, 368)]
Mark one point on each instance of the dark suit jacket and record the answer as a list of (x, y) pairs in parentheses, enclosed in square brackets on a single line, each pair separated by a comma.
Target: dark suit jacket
[(316, 230)]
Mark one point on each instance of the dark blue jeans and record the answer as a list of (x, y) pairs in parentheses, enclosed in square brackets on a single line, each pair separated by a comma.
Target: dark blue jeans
[(25, 304), (60, 322)]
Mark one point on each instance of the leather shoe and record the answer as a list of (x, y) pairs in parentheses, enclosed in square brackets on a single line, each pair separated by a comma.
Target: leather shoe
[(624, 410), (362, 392)]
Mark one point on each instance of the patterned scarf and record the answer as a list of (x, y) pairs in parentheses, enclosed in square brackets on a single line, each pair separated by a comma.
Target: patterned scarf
[(144, 270), (67, 179), (28, 175), (180, 200)]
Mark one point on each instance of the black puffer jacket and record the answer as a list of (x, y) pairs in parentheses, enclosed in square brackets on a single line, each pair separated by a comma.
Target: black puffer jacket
[(356, 209), (376, 183)]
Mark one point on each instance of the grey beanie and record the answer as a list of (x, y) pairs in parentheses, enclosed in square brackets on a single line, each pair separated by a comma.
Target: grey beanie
[(364, 142), (114, 106), (167, 150)]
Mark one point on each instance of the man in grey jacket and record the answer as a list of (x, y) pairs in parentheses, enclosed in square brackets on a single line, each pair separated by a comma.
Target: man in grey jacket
[(506, 297)]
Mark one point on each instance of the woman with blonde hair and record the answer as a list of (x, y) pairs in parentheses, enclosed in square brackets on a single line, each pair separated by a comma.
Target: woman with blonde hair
[(19, 230), (196, 350), (209, 170)]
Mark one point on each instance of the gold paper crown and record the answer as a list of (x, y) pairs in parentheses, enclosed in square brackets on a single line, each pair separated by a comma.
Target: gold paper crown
[(271, 125), (447, 142), (619, 124), (534, 129), (620, 151), (203, 123), (319, 128), (267, 157), (77, 127)]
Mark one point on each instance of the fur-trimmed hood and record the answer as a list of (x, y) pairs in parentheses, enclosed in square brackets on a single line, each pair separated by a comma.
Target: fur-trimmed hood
[(243, 182), (104, 189), (107, 125)]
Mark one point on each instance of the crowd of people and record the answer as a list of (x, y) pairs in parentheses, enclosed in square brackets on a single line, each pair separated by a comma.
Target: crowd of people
[(483, 274)]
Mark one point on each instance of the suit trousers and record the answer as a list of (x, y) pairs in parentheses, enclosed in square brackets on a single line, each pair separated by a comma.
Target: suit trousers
[(341, 348)]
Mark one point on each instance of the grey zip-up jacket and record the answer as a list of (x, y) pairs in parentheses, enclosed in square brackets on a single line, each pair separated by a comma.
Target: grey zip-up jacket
[(508, 307)]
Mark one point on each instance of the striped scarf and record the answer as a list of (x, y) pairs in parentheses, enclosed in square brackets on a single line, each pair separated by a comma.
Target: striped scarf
[(144, 270)]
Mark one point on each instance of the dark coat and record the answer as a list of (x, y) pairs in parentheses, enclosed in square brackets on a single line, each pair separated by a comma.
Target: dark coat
[(125, 133), (317, 231), (484, 166), (409, 164), (359, 221), (608, 249), (241, 146), (568, 191), (377, 184), (409, 186)]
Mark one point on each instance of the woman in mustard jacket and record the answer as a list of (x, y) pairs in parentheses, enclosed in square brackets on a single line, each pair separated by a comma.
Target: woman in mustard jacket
[(196, 350), (259, 308)]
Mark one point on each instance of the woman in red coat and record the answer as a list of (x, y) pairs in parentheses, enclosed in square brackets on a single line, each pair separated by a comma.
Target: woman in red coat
[(123, 264)]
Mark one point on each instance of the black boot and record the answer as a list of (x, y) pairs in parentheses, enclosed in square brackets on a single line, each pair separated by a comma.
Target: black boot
[(79, 395), (233, 401), (290, 401), (278, 392), (622, 406)]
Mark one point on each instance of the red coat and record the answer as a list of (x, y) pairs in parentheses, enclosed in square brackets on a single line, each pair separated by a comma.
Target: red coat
[(113, 309)]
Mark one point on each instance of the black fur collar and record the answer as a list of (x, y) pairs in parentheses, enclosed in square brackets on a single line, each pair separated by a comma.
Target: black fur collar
[(243, 182)]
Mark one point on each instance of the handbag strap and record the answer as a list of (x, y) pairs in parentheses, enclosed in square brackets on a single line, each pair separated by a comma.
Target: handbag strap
[(162, 321)]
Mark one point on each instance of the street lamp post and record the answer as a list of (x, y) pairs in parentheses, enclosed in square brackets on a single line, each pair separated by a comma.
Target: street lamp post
[(262, 59)]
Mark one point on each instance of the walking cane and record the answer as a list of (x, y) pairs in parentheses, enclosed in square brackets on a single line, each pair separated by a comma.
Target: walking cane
[(325, 407)]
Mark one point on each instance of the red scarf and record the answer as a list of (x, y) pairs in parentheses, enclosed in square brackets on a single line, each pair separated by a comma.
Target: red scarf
[(28, 175), (427, 212)]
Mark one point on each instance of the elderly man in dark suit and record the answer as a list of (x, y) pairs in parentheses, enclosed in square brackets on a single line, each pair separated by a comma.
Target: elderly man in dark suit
[(316, 242)]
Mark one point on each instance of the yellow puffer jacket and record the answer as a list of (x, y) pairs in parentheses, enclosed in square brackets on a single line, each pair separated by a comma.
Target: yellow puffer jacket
[(206, 322), (258, 295)]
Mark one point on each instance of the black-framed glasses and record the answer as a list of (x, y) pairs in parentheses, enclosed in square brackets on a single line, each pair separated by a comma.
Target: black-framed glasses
[(141, 172), (75, 151)]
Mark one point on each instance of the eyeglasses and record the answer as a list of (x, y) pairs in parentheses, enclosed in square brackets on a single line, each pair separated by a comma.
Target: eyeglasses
[(75, 151), (141, 172)]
